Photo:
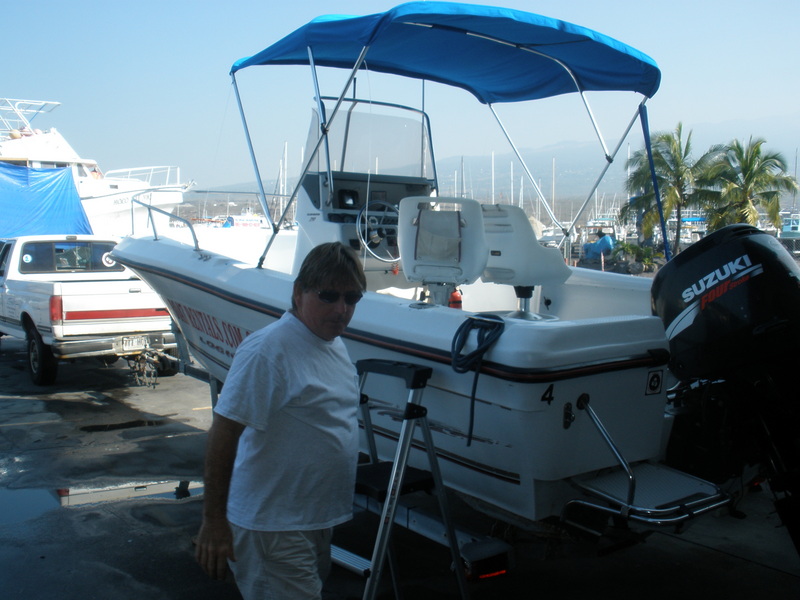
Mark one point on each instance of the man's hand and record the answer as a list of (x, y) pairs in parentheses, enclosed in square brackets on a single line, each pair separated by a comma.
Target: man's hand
[(215, 539), (215, 547)]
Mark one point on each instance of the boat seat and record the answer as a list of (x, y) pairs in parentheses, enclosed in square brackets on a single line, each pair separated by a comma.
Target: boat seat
[(515, 255), (441, 246)]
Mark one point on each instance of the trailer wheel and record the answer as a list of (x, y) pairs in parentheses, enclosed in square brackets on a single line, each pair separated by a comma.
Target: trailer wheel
[(42, 365)]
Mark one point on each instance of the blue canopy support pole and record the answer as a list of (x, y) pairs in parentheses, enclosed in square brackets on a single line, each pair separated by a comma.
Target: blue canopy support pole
[(568, 71), (323, 124), (262, 197), (423, 137), (536, 187), (648, 146), (609, 157), (312, 155), (596, 127), (607, 166)]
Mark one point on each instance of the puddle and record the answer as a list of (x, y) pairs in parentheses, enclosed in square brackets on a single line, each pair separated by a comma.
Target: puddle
[(18, 506), (125, 425)]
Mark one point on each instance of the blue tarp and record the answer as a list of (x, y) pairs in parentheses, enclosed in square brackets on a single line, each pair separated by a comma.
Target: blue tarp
[(39, 202), (497, 54)]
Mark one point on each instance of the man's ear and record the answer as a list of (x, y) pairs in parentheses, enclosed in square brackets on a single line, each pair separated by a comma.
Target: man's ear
[(297, 290)]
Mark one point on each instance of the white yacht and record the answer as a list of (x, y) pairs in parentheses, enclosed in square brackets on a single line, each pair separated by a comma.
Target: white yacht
[(105, 196)]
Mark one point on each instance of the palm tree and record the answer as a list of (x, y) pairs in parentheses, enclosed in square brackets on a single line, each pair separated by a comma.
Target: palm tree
[(678, 177), (746, 179)]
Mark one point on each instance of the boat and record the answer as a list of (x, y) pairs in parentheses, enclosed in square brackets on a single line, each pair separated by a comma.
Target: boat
[(789, 235), (106, 196), (790, 229), (242, 220), (237, 235), (550, 387)]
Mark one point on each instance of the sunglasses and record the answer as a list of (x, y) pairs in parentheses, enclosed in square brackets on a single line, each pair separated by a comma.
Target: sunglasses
[(332, 296)]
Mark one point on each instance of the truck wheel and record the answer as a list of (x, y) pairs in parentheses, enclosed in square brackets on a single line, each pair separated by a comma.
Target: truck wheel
[(167, 367), (108, 359), (42, 365)]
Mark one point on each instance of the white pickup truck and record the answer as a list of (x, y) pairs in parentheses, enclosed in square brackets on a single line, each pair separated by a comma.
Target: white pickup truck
[(65, 296)]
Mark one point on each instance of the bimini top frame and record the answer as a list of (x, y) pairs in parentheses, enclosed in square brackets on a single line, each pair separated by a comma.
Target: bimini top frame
[(496, 54)]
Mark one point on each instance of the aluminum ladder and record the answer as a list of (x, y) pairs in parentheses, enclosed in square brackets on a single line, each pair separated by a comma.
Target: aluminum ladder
[(372, 477)]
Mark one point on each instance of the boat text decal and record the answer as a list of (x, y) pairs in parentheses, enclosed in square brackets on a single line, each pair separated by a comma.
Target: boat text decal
[(733, 270), (710, 287), (221, 331)]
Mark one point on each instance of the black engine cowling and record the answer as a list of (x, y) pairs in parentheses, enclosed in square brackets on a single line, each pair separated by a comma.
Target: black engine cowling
[(729, 302)]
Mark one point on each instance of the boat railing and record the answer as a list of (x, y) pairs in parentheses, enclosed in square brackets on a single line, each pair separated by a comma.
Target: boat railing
[(667, 516), (16, 115), (152, 223), (620, 499), (161, 175)]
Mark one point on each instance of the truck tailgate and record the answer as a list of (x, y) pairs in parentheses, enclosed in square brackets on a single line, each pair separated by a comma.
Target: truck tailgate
[(108, 307)]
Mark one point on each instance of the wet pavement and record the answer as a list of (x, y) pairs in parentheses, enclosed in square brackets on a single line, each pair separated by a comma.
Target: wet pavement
[(100, 497)]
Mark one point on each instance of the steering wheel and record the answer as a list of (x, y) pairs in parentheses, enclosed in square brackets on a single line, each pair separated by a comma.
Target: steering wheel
[(373, 228)]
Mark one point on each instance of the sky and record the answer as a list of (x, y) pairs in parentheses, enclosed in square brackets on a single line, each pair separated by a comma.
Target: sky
[(147, 83)]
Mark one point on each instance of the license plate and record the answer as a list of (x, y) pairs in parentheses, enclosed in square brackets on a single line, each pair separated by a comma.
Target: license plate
[(134, 343)]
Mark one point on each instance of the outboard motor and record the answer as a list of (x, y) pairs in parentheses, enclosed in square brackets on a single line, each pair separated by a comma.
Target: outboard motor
[(730, 304)]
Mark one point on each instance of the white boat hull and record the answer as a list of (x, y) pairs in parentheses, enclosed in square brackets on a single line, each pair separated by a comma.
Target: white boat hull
[(110, 207), (521, 454), (569, 398)]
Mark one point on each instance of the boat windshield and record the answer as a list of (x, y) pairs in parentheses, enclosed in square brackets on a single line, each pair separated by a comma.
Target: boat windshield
[(375, 138)]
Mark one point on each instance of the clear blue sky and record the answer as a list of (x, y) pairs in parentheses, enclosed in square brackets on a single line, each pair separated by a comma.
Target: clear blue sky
[(146, 82)]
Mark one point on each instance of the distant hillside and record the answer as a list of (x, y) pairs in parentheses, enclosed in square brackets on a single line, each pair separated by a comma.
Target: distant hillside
[(576, 166), (781, 135)]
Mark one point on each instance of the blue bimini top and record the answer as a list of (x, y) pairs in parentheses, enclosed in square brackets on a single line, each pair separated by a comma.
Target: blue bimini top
[(497, 54)]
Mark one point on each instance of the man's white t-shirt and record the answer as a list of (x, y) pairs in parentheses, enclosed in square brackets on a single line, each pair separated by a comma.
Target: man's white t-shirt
[(297, 395)]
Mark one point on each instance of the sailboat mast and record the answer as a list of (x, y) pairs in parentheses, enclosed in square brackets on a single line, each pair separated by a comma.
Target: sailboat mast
[(794, 193), (463, 188), (553, 191), (512, 182), (492, 176)]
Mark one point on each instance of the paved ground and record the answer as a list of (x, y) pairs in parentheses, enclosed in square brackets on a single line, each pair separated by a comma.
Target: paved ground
[(88, 510)]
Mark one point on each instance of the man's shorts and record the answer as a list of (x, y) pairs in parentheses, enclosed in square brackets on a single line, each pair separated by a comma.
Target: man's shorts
[(276, 565)]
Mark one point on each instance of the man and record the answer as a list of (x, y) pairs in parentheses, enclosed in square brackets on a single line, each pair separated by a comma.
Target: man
[(283, 446), (603, 246)]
